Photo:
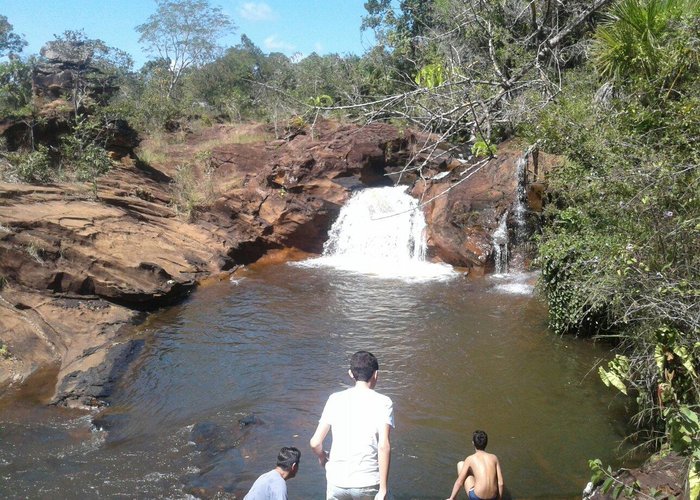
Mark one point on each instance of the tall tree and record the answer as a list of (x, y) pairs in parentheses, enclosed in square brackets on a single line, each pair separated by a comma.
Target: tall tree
[(185, 33), (10, 42), (473, 68)]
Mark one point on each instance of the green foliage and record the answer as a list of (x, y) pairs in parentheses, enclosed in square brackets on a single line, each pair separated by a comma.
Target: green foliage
[(321, 101), (430, 76), (609, 483), (4, 351), (183, 33), (10, 42), (482, 148), (617, 373), (619, 252), (683, 429), (15, 88), (648, 39), (83, 152), (32, 167)]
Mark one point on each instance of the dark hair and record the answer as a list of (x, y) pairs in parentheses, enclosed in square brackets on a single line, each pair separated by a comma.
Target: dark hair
[(363, 364), (480, 440), (287, 457)]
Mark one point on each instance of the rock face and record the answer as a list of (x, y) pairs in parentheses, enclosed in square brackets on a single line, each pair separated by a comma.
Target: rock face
[(77, 270), (69, 68), (64, 65)]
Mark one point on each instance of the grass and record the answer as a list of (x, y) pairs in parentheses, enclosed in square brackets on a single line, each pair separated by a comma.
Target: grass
[(35, 252), (4, 351), (191, 191)]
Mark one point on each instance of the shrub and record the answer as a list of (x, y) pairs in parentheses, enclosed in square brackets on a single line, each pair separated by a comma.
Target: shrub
[(34, 166)]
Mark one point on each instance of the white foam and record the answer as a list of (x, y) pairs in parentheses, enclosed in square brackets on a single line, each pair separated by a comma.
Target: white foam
[(514, 283), (381, 232)]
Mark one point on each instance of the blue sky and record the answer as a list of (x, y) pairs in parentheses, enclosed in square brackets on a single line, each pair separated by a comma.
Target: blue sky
[(287, 26)]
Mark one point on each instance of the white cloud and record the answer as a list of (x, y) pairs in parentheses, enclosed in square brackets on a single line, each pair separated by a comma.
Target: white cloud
[(319, 48), (252, 11), (274, 44)]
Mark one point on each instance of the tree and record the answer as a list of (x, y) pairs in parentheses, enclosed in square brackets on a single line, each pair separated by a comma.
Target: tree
[(475, 69), (184, 32), (10, 42)]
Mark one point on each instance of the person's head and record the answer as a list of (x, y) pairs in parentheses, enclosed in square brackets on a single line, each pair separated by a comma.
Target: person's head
[(363, 366), (288, 460), (480, 440)]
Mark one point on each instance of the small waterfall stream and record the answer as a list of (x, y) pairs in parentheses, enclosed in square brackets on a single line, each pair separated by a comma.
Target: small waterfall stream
[(381, 232), (500, 246), (506, 258), (508, 249)]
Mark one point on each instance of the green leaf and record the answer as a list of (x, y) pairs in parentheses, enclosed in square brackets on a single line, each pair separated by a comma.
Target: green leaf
[(694, 479), (606, 484)]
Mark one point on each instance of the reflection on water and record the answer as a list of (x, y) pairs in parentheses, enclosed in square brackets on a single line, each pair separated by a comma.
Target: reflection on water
[(454, 356)]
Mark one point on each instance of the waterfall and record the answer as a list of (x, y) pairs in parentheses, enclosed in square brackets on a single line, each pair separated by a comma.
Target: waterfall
[(519, 207), (505, 258), (500, 246), (381, 231), (508, 252)]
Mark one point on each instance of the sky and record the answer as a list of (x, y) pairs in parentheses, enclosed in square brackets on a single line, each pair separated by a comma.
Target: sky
[(289, 26)]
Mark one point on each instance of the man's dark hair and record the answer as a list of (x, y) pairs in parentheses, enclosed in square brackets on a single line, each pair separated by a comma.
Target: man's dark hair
[(363, 364), (480, 440), (287, 457)]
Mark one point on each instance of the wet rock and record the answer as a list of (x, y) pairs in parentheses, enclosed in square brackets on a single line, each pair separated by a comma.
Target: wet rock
[(218, 478), (249, 420), (220, 462), (93, 386), (107, 421)]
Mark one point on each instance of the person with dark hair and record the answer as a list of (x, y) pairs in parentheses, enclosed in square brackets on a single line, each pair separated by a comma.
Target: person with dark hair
[(272, 485), (360, 420), (479, 473)]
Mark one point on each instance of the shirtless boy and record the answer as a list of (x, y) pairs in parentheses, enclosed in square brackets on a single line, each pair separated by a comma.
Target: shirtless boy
[(480, 473)]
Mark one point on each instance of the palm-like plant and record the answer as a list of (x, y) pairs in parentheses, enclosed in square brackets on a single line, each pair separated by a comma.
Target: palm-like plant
[(653, 40)]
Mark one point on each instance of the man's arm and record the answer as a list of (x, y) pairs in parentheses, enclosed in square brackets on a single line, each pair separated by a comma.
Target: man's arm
[(500, 478), (316, 443), (384, 456), (461, 478)]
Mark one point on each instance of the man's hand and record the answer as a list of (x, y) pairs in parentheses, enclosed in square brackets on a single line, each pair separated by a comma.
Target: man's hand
[(323, 458)]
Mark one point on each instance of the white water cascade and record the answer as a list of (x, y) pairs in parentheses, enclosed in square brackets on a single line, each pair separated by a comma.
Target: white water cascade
[(381, 232), (500, 246), (508, 260)]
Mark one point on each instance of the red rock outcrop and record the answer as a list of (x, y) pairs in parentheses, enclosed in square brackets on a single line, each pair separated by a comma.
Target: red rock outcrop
[(467, 206)]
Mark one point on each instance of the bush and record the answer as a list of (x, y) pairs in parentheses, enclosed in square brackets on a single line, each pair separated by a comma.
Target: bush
[(33, 167), (619, 251)]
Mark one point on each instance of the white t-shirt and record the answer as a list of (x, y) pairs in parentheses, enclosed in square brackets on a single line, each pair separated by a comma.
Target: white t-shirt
[(355, 416)]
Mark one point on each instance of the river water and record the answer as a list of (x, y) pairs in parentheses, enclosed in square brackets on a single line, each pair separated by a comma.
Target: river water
[(455, 355), (268, 346)]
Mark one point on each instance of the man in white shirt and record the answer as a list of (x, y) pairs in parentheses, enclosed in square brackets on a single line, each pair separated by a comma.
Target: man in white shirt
[(360, 419)]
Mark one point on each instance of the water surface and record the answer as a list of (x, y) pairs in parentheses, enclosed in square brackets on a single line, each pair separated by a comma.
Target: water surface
[(455, 356)]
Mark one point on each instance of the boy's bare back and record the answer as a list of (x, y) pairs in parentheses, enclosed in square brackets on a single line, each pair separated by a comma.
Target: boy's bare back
[(480, 473), (486, 471)]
